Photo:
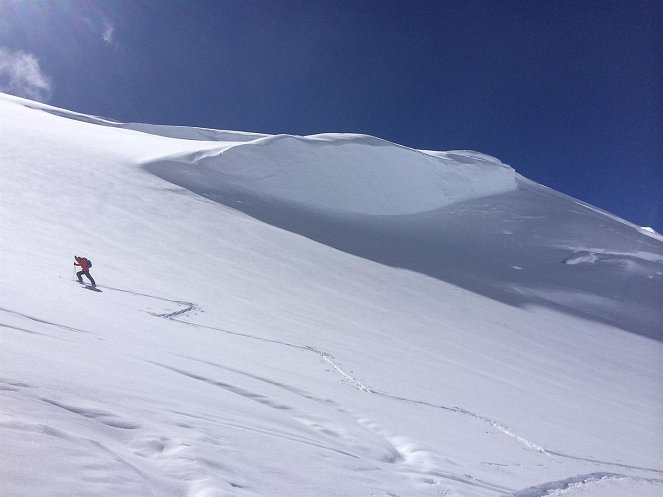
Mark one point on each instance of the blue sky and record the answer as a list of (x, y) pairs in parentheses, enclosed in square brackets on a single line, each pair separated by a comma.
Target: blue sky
[(570, 93)]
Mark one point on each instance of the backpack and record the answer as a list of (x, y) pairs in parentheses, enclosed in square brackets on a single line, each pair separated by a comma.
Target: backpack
[(89, 263)]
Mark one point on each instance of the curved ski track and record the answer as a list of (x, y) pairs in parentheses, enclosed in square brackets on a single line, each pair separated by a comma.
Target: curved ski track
[(355, 382), (579, 483), (398, 443)]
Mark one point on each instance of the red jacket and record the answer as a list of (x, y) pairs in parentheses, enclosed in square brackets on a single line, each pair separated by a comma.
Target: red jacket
[(83, 263)]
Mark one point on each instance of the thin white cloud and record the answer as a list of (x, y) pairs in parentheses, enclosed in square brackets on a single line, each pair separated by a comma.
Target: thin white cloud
[(21, 75), (101, 26), (107, 34)]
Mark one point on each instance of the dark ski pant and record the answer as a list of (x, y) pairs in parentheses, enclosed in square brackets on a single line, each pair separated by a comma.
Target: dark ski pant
[(89, 277)]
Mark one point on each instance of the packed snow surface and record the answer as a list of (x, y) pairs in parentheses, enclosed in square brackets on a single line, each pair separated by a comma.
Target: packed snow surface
[(331, 315)]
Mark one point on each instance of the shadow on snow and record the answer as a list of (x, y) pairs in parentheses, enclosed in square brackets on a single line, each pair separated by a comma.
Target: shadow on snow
[(509, 247)]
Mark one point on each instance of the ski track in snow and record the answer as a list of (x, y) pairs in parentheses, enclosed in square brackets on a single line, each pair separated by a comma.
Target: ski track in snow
[(577, 485), (328, 359), (188, 306), (415, 460), (42, 321), (412, 458)]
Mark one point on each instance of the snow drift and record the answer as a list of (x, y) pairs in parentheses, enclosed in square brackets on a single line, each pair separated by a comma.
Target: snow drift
[(339, 172)]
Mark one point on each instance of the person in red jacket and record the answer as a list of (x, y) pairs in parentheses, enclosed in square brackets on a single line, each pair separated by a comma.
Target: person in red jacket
[(85, 269)]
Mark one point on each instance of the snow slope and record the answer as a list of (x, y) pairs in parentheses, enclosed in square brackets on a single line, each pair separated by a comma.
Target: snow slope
[(331, 315)]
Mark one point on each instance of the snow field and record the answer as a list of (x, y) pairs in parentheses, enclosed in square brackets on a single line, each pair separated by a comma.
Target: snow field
[(227, 356)]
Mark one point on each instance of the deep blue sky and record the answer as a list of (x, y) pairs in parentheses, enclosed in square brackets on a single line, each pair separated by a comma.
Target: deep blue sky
[(570, 93)]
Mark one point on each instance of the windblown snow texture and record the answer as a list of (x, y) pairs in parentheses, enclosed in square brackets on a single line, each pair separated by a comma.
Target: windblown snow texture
[(331, 315)]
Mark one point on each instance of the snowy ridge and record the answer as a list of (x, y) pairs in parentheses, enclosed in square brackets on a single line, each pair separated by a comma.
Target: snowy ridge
[(178, 132), (189, 133), (332, 315), (342, 173)]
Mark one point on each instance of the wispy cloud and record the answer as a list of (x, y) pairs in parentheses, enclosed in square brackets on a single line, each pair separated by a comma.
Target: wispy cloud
[(21, 75), (108, 31), (101, 26)]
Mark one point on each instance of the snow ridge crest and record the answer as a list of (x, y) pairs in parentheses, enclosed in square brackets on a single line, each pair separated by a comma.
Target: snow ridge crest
[(341, 173)]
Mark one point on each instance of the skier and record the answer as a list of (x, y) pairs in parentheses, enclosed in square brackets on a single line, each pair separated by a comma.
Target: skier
[(85, 269)]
